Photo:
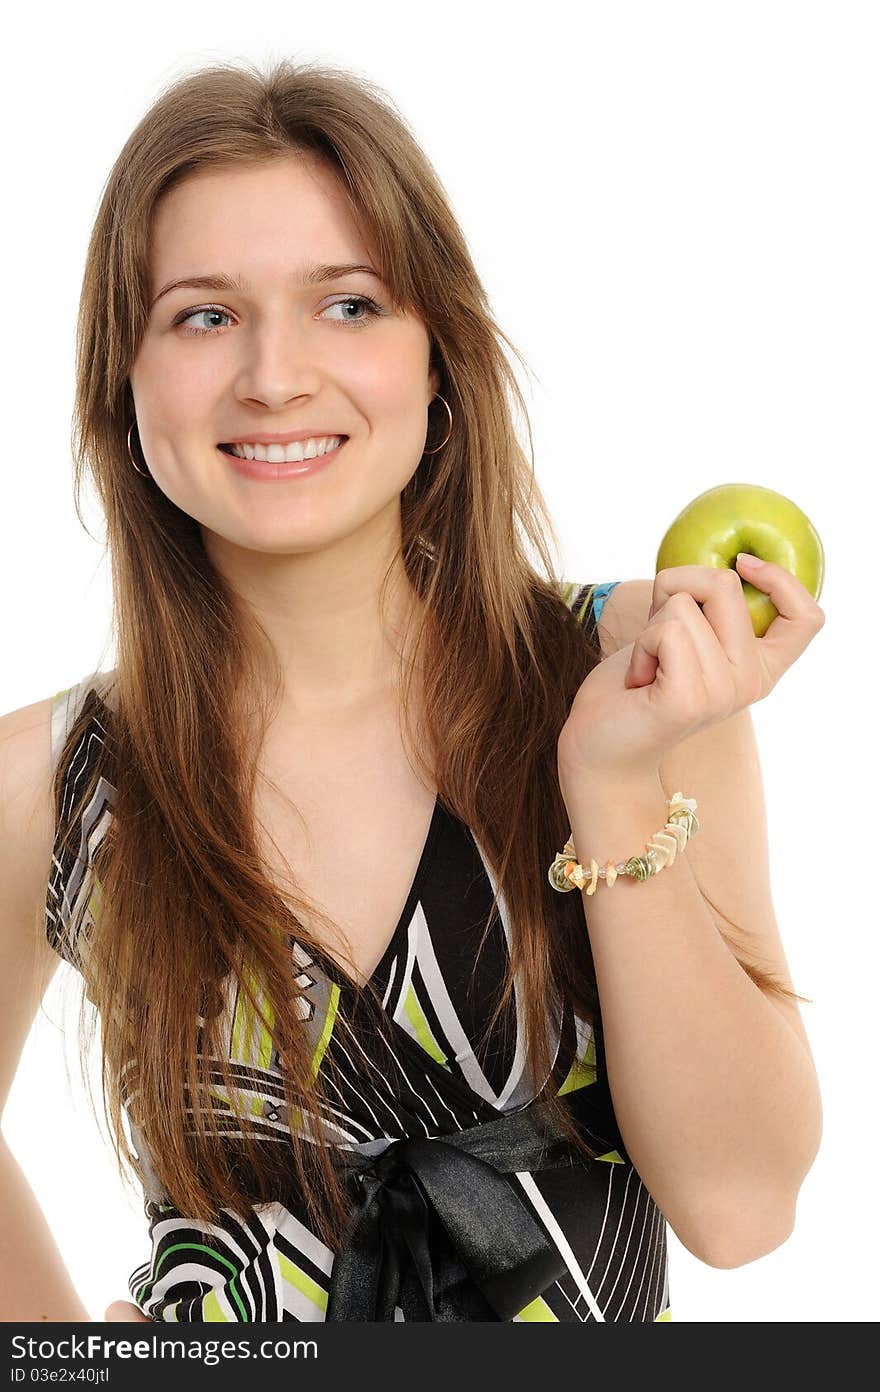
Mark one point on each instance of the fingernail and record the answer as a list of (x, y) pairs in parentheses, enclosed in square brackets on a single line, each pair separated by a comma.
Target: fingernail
[(748, 561)]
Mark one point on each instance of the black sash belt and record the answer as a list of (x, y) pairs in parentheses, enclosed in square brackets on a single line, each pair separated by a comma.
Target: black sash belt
[(440, 1230)]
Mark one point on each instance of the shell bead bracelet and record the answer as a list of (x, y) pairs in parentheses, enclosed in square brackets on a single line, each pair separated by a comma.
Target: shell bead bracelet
[(566, 873)]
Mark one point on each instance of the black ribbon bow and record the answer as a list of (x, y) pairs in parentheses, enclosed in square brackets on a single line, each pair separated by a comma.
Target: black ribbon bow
[(439, 1230)]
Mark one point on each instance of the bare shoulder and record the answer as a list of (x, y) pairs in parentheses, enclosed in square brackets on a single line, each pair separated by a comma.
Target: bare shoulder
[(27, 961), (624, 614), (26, 769), (27, 832)]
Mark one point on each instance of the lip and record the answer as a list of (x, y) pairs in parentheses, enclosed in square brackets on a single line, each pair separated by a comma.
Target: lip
[(264, 471)]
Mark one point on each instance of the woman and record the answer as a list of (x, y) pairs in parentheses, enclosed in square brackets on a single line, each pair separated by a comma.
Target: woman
[(349, 727)]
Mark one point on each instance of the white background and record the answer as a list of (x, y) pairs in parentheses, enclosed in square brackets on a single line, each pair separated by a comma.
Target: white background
[(674, 208)]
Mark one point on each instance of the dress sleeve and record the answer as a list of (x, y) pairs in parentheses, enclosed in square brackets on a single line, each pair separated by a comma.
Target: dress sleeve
[(199, 1273), (600, 594), (587, 601), (67, 704), (71, 893)]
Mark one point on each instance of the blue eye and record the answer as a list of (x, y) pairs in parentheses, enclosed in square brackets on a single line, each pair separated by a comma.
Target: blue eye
[(364, 301), (371, 311), (191, 314)]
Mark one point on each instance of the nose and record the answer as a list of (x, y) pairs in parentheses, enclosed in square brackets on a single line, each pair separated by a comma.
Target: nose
[(279, 364)]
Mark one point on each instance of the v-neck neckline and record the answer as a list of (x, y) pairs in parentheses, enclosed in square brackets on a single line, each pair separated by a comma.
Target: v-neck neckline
[(337, 973), (328, 963)]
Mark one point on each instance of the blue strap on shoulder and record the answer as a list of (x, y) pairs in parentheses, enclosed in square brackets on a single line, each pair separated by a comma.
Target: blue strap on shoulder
[(600, 594)]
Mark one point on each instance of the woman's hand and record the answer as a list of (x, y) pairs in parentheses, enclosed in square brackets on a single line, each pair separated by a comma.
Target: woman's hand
[(688, 668), (124, 1310)]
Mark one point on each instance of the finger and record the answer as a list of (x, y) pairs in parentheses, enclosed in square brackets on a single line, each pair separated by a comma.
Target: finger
[(679, 682), (722, 621), (714, 666), (798, 618), (124, 1310)]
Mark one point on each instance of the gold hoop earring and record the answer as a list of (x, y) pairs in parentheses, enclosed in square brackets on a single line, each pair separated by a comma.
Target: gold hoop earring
[(448, 433), (130, 455)]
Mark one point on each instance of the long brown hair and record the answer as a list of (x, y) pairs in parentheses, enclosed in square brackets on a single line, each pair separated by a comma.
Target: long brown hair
[(186, 904)]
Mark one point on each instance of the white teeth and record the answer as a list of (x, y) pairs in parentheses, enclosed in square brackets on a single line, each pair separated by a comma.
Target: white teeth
[(296, 451)]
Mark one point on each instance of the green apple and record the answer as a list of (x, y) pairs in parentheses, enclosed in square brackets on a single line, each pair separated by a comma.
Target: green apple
[(734, 517)]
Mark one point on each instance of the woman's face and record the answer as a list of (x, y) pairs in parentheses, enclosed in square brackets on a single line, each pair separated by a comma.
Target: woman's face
[(218, 364)]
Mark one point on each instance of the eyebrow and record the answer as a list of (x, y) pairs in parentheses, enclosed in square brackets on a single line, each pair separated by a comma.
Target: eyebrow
[(217, 280)]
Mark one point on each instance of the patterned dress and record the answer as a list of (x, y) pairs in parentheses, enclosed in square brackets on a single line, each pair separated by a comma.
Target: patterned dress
[(421, 1075)]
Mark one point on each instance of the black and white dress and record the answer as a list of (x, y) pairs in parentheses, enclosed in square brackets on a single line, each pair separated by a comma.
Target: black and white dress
[(418, 1075)]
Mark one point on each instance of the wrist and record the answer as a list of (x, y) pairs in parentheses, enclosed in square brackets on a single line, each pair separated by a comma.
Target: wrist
[(604, 786), (613, 817), (620, 820)]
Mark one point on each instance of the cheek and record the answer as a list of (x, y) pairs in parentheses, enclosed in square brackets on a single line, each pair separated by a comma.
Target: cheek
[(390, 380), (176, 413), (185, 402), (174, 389)]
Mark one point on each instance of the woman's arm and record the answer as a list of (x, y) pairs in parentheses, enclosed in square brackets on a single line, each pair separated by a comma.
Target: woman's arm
[(730, 858), (713, 1081), (716, 1099), (34, 1282)]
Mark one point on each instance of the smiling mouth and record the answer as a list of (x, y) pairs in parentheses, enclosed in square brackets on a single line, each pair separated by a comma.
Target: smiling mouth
[(230, 449), (296, 452), (275, 470)]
